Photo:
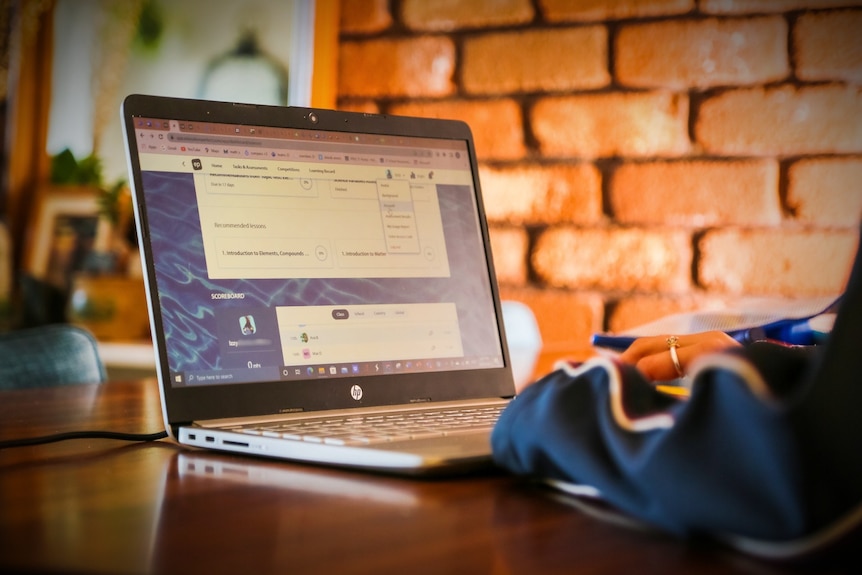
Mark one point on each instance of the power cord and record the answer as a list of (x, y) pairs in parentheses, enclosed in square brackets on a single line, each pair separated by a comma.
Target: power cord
[(82, 435)]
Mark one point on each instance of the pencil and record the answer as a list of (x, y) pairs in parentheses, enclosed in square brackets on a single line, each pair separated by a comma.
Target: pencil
[(674, 390)]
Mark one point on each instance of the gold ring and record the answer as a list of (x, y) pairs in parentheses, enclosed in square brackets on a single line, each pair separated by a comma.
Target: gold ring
[(672, 344)]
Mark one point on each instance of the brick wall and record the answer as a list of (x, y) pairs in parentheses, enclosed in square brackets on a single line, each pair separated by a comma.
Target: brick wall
[(638, 157)]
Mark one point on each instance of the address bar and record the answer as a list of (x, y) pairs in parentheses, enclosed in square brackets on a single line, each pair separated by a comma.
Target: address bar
[(292, 144), (195, 139)]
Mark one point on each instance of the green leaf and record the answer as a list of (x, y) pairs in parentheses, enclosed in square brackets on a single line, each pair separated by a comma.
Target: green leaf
[(65, 169)]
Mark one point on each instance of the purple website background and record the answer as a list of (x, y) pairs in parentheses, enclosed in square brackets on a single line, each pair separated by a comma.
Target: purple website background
[(192, 320)]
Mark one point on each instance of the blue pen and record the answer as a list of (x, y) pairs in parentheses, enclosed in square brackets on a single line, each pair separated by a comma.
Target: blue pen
[(616, 342)]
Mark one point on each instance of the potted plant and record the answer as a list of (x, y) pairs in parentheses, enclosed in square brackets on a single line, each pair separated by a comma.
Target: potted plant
[(103, 296)]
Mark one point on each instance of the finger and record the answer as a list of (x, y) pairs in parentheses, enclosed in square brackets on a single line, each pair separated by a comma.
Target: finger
[(651, 345), (659, 366), (644, 347)]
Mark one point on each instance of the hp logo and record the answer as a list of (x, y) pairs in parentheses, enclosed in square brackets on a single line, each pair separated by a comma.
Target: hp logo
[(356, 392)]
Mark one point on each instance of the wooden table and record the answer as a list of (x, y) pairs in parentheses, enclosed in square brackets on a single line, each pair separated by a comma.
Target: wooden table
[(105, 506)]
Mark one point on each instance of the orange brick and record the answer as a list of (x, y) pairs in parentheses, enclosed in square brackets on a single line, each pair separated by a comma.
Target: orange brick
[(536, 60), (611, 259), (684, 53), (365, 106), (603, 125), (364, 16), (826, 191), (635, 310), (697, 193), (567, 320), (456, 14), (497, 125), (783, 120), (828, 46), (414, 67), (594, 10), (509, 247), (776, 262), (767, 6), (542, 194)]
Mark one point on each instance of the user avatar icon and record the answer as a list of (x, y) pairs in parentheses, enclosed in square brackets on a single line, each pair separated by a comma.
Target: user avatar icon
[(304, 337), (247, 325)]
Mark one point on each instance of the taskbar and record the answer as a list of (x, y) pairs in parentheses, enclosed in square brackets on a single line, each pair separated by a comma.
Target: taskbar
[(331, 370), (367, 368)]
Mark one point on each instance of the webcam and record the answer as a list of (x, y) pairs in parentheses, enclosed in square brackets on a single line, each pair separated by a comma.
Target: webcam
[(312, 117)]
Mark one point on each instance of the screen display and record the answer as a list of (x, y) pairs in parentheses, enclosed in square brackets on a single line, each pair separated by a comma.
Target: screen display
[(282, 254)]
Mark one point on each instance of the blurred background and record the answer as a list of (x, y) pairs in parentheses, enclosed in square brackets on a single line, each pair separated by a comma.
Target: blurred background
[(638, 157)]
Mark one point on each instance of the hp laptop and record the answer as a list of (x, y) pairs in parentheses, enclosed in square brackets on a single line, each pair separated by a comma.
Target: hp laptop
[(320, 283)]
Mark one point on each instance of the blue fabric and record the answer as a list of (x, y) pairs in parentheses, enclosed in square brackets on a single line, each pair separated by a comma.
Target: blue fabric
[(50, 355), (767, 449)]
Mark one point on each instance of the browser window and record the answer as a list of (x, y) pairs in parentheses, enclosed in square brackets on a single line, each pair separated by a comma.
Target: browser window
[(322, 254)]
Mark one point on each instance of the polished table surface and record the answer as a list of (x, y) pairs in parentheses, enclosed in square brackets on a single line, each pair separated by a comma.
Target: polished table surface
[(106, 506)]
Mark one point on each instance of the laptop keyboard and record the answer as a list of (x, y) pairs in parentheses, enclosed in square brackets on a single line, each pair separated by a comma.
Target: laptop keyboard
[(381, 428)]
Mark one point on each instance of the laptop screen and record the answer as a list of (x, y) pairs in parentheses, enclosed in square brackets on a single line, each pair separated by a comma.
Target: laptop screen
[(286, 254)]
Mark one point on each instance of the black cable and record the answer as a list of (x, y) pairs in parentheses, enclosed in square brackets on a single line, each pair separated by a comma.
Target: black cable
[(82, 435)]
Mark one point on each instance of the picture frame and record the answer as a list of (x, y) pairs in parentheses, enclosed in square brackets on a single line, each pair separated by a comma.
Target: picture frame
[(64, 230)]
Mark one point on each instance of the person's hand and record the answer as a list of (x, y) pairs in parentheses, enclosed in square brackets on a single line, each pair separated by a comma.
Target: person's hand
[(652, 355)]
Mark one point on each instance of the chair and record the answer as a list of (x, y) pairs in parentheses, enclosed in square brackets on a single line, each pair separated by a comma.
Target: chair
[(58, 354)]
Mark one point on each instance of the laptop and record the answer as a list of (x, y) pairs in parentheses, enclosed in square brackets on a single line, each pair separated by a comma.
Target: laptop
[(320, 284)]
